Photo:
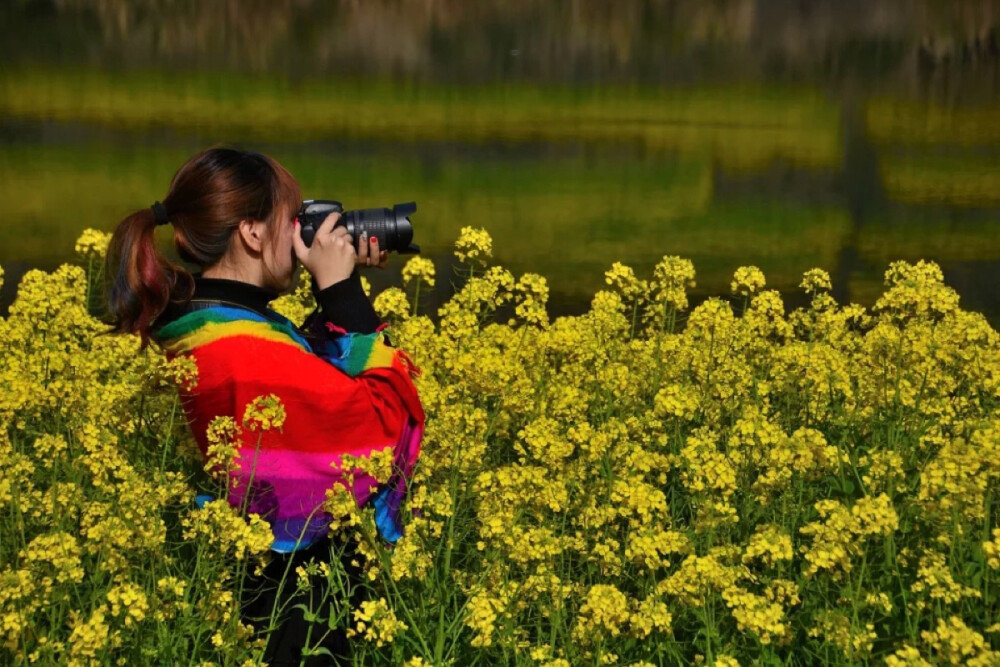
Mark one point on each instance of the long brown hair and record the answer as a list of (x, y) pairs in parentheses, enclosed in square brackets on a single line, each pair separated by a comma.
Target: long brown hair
[(207, 199)]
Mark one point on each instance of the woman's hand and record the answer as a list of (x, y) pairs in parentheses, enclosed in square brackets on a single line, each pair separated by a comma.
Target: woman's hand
[(369, 253), (331, 257)]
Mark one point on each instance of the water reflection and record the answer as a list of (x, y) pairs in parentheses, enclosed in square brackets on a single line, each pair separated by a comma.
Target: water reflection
[(842, 134)]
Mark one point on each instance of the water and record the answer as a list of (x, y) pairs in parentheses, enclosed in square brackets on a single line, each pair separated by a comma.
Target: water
[(843, 135)]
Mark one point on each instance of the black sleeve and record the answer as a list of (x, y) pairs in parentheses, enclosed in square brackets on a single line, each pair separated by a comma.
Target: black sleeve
[(345, 305)]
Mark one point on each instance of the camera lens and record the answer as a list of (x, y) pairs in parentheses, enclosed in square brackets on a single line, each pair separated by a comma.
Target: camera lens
[(392, 228)]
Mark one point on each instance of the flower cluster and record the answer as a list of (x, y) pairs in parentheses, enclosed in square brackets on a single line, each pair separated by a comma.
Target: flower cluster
[(93, 243), (392, 304), (474, 246), (376, 622), (419, 269), (747, 280)]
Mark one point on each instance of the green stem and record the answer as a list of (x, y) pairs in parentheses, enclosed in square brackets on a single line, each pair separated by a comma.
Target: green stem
[(416, 296)]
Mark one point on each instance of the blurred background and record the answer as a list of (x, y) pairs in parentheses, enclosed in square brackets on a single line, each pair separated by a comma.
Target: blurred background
[(841, 134)]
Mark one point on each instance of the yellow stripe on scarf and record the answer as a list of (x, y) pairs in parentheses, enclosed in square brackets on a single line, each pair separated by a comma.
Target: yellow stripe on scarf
[(213, 331), (380, 356)]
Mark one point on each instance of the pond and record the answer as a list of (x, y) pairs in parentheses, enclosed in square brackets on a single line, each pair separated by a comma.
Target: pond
[(841, 135)]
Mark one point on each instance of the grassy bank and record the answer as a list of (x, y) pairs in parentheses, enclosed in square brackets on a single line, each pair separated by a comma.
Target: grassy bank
[(739, 127)]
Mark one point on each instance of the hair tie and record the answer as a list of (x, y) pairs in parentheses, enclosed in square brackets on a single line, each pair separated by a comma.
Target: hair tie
[(160, 213)]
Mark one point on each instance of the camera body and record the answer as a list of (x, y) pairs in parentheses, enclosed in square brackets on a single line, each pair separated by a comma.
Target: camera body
[(392, 228)]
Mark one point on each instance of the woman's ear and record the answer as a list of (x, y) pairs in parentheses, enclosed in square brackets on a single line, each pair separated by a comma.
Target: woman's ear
[(252, 234)]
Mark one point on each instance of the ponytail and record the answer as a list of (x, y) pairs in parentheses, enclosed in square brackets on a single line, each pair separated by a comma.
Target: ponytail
[(141, 280), (208, 197)]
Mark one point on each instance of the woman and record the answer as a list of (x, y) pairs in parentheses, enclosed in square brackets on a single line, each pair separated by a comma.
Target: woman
[(345, 390)]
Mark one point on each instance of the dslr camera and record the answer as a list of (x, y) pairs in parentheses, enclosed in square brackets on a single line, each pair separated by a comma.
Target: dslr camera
[(392, 228)]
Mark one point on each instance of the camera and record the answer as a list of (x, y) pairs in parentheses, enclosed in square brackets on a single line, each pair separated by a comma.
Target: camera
[(392, 228)]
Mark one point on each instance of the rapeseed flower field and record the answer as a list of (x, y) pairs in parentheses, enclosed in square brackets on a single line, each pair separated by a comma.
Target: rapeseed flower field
[(643, 484)]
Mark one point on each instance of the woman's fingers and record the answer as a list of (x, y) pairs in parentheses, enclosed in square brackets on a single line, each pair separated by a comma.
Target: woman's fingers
[(369, 253), (363, 249), (328, 224), (331, 257), (301, 249)]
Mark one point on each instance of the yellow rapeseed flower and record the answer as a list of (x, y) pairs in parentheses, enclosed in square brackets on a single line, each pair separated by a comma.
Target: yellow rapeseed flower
[(93, 243), (420, 269), (473, 245), (392, 304), (747, 280)]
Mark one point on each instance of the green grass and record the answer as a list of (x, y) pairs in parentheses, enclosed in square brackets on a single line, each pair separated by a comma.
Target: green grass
[(53, 192), (739, 127), (966, 179), (783, 239), (565, 218), (49, 194), (930, 237), (903, 122)]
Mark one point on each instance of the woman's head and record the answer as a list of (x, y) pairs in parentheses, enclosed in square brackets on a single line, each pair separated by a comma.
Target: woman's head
[(227, 207)]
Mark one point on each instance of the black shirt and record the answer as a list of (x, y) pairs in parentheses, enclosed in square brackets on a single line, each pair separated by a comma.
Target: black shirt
[(343, 304)]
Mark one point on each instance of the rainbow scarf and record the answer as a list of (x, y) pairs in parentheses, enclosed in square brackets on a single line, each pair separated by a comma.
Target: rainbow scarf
[(343, 394)]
